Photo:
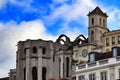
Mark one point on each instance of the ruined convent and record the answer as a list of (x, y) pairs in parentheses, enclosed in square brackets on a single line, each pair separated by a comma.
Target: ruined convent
[(72, 60)]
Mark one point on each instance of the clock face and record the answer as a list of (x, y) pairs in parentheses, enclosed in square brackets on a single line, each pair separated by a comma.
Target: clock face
[(84, 53)]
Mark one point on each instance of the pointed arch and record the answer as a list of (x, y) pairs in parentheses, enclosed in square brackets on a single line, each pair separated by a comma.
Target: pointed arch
[(80, 40), (59, 67), (24, 73), (43, 50), (64, 39), (34, 49), (67, 66), (44, 71), (34, 73)]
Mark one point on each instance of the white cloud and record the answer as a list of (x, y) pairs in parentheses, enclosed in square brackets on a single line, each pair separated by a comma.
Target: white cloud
[(76, 11), (73, 11), (113, 17)]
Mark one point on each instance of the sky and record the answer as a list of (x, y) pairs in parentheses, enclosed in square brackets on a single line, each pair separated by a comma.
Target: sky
[(46, 19)]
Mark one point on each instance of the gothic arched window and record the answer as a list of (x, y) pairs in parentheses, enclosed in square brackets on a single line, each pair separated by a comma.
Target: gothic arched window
[(44, 73), (59, 67), (34, 73), (24, 73), (34, 50), (44, 50), (67, 66)]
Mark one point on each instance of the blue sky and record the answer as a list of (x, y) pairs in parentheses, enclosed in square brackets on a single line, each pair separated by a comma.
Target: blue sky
[(46, 19)]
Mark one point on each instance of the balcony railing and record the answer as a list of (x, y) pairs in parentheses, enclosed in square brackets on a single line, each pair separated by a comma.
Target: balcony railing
[(100, 63)]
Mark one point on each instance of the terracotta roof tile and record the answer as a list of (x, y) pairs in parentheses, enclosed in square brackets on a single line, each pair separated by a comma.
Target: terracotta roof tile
[(105, 55)]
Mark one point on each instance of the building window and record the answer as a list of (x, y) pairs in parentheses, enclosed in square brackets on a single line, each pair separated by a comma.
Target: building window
[(92, 77), (92, 57), (34, 50), (113, 40), (92, 21), (44, 73), (100, 21), (25, 50), (103, 75), (107, 41), (118, 39), (24, 73), (92, 36), (44, 50), (119, 73), (103, 22), (14, 77), (114, 52), (67, 66), (81, 77), (34, 73), (59, 67)]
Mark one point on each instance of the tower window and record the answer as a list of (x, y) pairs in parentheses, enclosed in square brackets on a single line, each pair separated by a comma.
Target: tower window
[(92, 36), (103, 22), (34, 50), (107, 41), (100, 21), (92, 21)]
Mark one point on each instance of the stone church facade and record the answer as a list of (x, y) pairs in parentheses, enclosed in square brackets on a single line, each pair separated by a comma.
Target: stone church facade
[(43, 60)]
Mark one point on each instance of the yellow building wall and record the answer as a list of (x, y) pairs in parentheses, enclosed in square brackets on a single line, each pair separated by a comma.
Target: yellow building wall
[(110, 35), (77, 52)]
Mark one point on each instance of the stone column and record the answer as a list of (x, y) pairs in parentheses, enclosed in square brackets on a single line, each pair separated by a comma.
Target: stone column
[(28, 69), (40, 63)]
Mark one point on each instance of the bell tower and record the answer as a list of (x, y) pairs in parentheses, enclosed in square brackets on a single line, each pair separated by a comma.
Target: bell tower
[(97, 26)]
